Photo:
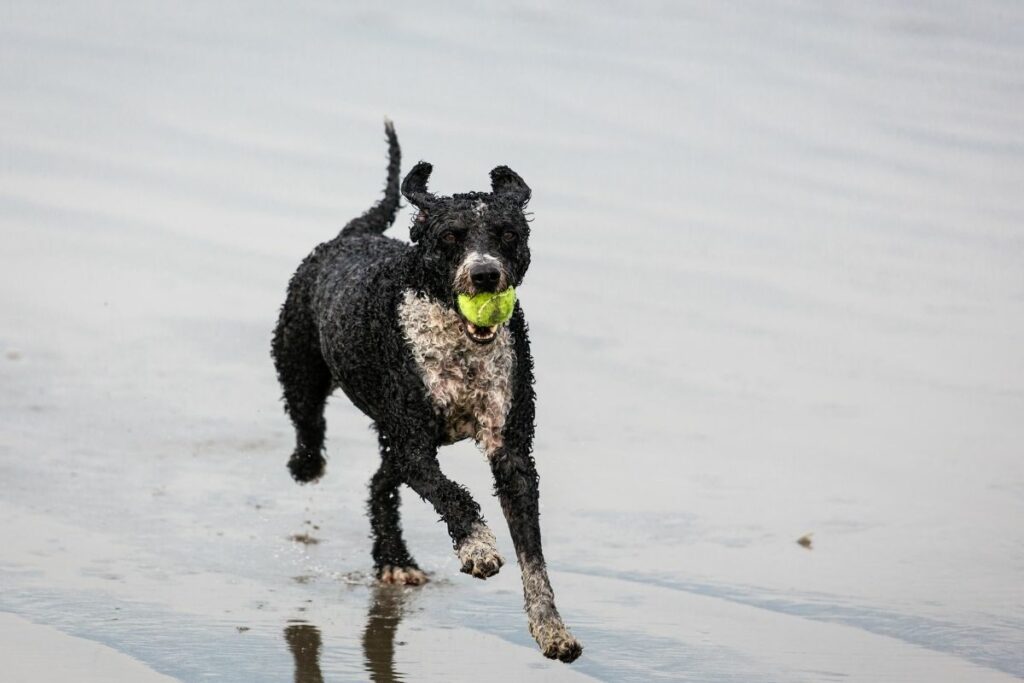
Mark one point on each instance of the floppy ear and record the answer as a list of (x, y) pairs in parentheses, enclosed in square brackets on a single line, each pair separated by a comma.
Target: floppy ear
[(414, 187), (505, 181), (419, 226)]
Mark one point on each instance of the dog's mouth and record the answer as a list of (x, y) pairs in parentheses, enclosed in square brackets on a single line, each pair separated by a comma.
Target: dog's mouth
[(479, 334)]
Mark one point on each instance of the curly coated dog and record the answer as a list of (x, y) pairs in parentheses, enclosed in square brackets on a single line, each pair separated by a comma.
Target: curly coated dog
[(378, 318)]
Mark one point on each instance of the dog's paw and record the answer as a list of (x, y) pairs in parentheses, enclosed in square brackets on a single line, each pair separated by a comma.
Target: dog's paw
[(306, 467), (478, 553), (408, 576), (556, 642)]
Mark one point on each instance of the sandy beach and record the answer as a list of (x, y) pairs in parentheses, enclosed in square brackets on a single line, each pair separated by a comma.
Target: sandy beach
[(777, 290)]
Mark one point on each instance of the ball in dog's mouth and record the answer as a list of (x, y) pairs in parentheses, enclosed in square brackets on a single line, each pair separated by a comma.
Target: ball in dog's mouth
[(478, 333), (483, 313)]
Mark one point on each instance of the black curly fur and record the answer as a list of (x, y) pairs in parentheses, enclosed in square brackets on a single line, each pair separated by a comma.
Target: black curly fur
[(339, 328)]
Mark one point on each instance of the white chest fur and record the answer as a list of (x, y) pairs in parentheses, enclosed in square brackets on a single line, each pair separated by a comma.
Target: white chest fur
[(469, 384)]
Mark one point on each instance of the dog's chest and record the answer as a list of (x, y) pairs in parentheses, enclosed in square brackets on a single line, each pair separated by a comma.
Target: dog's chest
[(469, 385)]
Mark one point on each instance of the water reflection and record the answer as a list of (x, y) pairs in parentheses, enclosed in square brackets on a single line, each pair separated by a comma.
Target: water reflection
[(382, 619), (304, 642)]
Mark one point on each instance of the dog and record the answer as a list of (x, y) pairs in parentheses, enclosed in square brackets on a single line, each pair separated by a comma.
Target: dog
[(378, 318)]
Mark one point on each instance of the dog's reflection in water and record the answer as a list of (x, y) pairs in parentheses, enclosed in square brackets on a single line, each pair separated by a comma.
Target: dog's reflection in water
[(382, 619), (304, 642)]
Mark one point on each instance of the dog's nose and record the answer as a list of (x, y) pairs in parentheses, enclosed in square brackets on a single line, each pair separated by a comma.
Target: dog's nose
[(485, 277)]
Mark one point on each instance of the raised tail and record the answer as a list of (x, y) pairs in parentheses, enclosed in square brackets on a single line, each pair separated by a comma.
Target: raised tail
[(382, 214)]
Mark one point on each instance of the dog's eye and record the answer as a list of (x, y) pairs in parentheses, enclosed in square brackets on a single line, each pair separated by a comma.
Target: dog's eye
[(450, 238), (508, 237)]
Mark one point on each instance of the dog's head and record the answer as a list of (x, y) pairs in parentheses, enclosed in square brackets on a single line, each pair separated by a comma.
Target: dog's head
[(471, 243)]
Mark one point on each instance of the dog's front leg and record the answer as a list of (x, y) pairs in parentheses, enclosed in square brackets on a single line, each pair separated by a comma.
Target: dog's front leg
[(474, 543), (517, 486), (516, 482)]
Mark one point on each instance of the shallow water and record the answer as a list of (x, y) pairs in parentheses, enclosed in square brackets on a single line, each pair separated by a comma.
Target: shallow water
[(777, 289)]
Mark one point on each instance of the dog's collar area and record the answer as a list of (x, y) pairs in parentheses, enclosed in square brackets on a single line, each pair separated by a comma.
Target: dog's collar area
[(479, 334)]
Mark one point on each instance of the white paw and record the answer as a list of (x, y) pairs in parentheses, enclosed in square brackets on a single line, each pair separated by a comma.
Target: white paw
[(410, 576), (556, 642), (478, 553)]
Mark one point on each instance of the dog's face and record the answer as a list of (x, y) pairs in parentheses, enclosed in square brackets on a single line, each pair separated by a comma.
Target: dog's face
[(471, 243)]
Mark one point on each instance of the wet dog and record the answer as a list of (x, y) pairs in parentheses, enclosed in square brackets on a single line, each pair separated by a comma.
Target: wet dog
[(378, 318)]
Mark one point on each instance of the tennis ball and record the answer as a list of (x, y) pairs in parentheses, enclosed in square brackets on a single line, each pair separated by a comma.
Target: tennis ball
[(488, 309)]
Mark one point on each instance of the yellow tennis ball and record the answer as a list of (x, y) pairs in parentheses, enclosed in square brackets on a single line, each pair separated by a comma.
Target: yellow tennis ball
[(488, 309)]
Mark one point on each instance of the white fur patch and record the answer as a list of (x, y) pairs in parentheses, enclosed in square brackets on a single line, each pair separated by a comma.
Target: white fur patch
[(480, 208), (479, 552), (545, 623), (469, 384)]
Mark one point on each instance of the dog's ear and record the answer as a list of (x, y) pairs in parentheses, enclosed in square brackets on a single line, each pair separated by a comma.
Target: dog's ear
[(419, 226), (414, 187), (505, 181)]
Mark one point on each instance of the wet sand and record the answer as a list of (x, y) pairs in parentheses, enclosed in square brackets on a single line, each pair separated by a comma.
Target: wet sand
[(776, 290), (41, 653)]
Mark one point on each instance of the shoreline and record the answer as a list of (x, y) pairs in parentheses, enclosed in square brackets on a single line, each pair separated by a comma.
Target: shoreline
[(39, 653)]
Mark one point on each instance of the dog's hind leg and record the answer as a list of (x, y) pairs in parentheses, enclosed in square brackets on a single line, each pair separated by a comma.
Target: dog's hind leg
[(306, 381), (305, 395), (391, 558)]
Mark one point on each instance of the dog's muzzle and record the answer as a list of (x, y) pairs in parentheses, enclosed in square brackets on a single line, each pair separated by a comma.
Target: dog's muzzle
[(480, 273)]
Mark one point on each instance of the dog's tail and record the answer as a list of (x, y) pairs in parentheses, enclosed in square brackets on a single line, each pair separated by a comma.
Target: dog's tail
[(380, 217)]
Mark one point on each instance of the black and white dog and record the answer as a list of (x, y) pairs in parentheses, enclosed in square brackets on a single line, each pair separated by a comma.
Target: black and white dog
[(378, 318)]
